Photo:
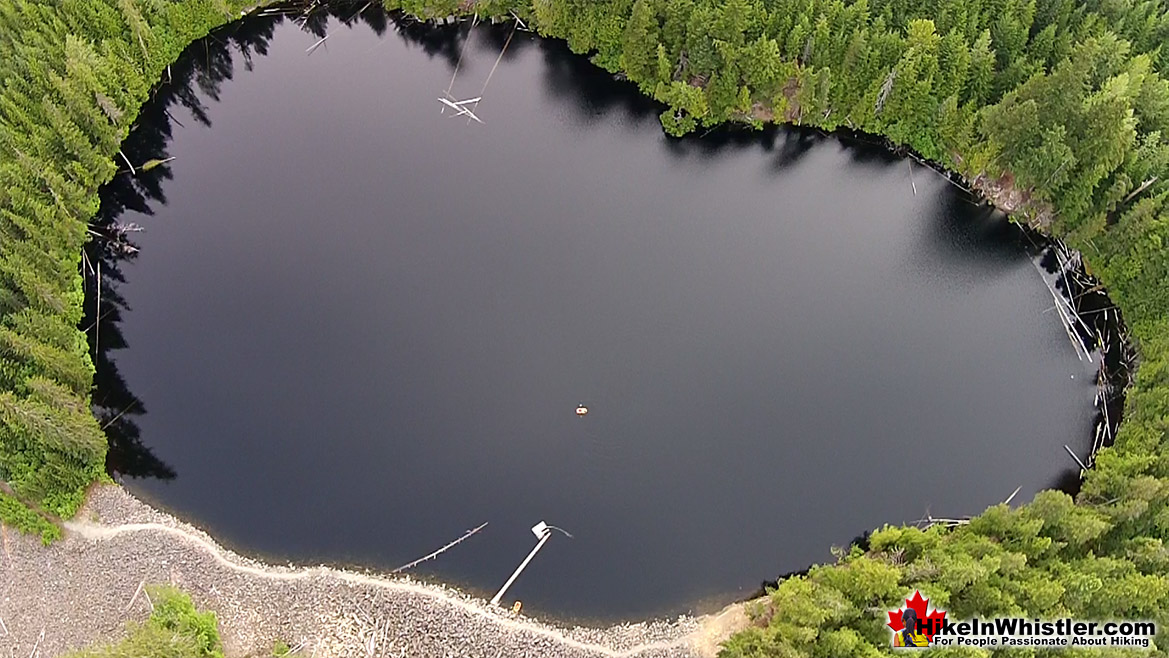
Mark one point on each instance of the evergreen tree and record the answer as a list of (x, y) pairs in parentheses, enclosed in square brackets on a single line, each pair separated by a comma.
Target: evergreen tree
[(640, 44)]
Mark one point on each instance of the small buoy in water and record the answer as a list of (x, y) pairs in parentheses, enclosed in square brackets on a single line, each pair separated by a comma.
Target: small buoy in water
[(582, 410)]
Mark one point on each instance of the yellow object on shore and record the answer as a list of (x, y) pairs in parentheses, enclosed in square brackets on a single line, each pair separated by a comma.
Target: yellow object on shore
[(516, 608)]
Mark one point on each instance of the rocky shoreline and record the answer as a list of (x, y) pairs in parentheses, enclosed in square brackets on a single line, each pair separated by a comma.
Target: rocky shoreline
[(84, 589)]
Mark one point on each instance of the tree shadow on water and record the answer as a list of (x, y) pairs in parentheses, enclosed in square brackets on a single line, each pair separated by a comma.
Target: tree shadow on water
[(593, 96), (589, 91), (444, 42), (785, 146), (195, 78), (198, 73)]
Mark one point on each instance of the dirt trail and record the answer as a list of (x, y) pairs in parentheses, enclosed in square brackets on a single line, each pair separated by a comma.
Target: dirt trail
[(84, 588)]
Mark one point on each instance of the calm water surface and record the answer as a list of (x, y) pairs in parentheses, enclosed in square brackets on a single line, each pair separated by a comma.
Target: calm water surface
[(360, 327)]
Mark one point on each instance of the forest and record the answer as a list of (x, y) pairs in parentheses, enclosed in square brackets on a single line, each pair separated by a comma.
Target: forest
[(1055, 110), (73, 75)]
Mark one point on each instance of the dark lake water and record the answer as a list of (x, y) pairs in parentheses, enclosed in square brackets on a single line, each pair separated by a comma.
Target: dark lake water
[(360, 327)]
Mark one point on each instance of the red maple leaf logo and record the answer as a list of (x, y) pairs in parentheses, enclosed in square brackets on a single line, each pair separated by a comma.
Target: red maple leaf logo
[(919, 605)]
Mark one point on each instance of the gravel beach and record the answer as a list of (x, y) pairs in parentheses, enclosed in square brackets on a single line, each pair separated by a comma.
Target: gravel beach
[(84, 589)]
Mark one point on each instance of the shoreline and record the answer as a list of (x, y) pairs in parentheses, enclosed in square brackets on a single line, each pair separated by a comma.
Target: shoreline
[(698, 608), (88, 584)]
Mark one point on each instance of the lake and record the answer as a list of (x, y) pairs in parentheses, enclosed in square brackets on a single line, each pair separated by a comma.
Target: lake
[(356, 327)]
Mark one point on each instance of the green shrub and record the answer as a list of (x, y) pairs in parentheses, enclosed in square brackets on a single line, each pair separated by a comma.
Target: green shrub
[(175, 629), (18, 515)]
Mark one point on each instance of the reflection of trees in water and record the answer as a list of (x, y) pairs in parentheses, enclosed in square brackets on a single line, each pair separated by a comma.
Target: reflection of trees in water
[(196, 77), (198, 74), (589, 91)]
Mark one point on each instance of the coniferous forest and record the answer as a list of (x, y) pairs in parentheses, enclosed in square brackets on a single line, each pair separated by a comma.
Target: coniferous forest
[(1055, 110)]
